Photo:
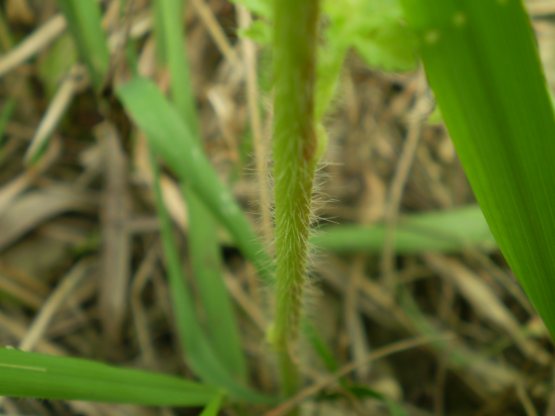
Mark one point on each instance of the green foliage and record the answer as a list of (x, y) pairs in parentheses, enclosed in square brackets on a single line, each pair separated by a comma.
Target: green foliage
[(444, 231), (259, 31), (200, 352), (5, 114), (258, 7), (153, 114), (502, 128), (373, 28), (25, 374), (220, 323), (56, 63), (213, 408), (501, 119), (84, 21)]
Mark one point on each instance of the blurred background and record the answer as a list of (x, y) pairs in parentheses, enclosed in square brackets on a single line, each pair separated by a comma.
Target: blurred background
[(416, 305)]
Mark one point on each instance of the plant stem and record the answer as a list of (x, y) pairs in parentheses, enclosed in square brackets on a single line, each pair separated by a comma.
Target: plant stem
[(294, 154)]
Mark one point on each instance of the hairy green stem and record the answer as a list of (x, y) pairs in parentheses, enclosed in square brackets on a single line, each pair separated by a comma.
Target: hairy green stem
[(294, 154)]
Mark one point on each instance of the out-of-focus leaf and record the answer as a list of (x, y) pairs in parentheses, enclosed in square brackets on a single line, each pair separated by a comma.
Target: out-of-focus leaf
[(26, 374), (213, 408), (5, 115), (444, 231), (162, 124), (56, 62), (259, 7), (200, 353), (84, 21), (259, 31), (374, 28), (220, 325)]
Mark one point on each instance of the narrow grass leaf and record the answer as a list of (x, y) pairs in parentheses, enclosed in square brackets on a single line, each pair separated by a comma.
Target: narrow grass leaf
[(199, 352), (482, 63), (445, 231), (213, 407), (5, 116), (173, 141), (362, 392), (25, 374), (318, 344), (221, 326), (6, 38), (171, 46), (84, 21), (55, 63)]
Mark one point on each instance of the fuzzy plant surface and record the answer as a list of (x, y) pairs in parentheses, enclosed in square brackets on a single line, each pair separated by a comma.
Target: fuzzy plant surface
[(295, 159)]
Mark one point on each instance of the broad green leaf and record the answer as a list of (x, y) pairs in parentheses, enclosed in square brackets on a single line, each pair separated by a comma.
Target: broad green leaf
[(482, 62), (84, 21), (26, 374), (445, 231), (219, 323)]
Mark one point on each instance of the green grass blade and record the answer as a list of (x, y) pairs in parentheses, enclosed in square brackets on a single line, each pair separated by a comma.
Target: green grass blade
[(482, 63), (5, 116), (204, 248), (213, 408), (25, 374), (84, 22), (170, 43), (174, 143), (199, 352), (445, 231), (56, 63), (319, 346), (6, 38)]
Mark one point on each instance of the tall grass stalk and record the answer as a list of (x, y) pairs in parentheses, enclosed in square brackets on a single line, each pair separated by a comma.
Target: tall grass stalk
[(294, 154)]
